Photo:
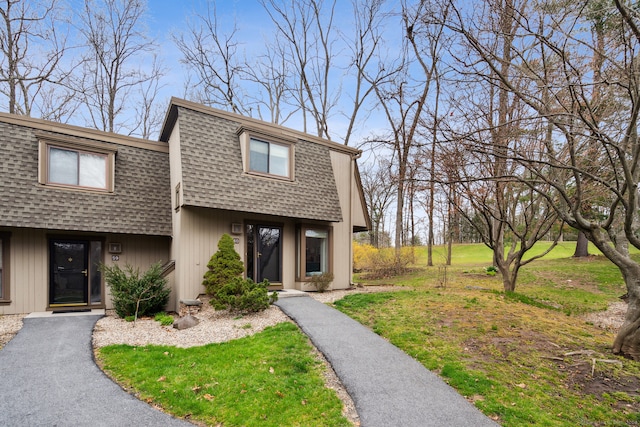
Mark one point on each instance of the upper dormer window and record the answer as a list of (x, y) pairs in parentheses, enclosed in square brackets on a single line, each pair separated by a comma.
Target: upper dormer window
[(267, 155), (78, 168), (79, 165), (269, 158)]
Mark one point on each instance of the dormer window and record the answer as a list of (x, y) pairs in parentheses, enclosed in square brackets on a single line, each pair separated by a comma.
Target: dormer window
[(269, 158), (78, 168), (266, 155), (71, 164)]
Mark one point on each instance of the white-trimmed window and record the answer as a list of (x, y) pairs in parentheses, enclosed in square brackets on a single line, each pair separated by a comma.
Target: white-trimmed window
[(269, 158), (73, 165), (314, 251)]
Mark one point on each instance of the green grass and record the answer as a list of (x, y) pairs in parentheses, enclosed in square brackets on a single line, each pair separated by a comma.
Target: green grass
[(506, 352), (268, 379)]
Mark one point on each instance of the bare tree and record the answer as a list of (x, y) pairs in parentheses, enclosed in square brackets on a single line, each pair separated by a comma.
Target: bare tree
[(403, 95), (148, 110), (308, 29), (271, 74), (213, 56), (116, 46), (365, 51), (31, 51), (609, 178), (507, 213), (378, 192)]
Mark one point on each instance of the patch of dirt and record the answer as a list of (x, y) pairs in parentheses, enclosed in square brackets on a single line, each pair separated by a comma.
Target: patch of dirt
[(600, 383), (588, 371)]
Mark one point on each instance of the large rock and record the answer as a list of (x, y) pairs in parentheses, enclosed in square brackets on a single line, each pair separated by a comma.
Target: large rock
[(185, 322)]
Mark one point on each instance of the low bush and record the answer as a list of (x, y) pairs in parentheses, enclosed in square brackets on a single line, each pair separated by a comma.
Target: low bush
[(321, 281), (136, 294), (380, 262), (164, 319), (224, 266), (243, 295)]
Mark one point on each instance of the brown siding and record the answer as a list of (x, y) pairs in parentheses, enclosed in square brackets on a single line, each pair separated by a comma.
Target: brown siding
[(200, 231), (342, 231), (29, 268)]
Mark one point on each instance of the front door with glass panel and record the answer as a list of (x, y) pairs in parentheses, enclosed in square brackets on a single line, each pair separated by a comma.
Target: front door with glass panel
[(264, 253), (74, 276)]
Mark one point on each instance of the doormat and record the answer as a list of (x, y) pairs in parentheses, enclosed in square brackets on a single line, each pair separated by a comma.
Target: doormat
[(82, 310)]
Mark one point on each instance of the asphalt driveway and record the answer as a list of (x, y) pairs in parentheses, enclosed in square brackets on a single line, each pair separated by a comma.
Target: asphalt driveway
[(48, 378)]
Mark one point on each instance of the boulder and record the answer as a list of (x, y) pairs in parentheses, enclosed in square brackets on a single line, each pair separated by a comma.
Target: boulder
[(185, 322)]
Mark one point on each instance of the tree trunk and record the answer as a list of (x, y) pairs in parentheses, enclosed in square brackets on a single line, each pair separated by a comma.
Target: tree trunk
[(509, 275), (627, 342), (582, 246)]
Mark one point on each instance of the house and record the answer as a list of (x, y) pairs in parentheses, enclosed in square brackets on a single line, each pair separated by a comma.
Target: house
[(73, 198)]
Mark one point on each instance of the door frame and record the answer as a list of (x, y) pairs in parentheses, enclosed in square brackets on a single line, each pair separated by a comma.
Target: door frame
[(254, 255), (90, 274)]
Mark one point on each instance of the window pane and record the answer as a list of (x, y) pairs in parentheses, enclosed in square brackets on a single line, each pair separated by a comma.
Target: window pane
[(93, 170), (63, 166), (95, 286), (259, 156), (279, 160), (317, 255), (268, 253)]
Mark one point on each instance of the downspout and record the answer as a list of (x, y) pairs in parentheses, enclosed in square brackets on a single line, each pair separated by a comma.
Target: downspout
[(354, 157)]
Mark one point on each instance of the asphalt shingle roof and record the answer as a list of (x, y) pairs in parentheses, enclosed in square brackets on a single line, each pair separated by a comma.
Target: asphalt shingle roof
[(140, 203), (213, 173)]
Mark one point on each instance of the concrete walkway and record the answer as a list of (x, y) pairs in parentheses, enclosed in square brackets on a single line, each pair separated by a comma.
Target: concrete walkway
[(48, 378), (389, 388)]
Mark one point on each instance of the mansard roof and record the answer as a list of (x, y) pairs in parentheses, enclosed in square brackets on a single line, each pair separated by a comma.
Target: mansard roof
[(139, 204), (213, 175)]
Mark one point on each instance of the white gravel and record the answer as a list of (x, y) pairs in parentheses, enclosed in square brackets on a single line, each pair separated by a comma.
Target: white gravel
[(611, 319), (10, 324), (214, 327)]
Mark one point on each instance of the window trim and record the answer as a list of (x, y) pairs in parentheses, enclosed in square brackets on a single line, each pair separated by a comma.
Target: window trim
[(108, 152), (247, 135), (5, 284), (270, 144), (301, 243)]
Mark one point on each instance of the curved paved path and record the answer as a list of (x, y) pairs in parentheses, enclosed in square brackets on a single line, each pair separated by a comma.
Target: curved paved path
[(48, 378), (389, 388)]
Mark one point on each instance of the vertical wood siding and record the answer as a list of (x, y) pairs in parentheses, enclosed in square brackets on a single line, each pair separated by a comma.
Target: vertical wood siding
[(342, 231), (29, 270)]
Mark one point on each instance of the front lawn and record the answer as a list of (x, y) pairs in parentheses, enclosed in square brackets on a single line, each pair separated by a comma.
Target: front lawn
[(268, 379), (524, 358)]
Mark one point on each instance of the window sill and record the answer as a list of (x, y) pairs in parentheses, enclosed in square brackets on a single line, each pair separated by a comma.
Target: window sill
[(5, 301), (269, 176), (76, 188)]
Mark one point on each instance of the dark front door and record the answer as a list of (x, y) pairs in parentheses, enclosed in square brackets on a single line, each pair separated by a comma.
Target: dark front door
[(264, 253), (69, 272)]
